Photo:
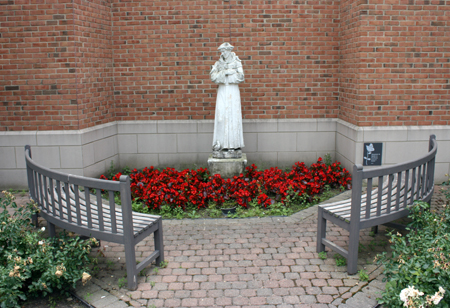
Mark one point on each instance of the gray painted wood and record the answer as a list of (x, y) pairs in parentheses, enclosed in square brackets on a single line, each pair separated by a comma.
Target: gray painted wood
[(399, 186), (68, 201)]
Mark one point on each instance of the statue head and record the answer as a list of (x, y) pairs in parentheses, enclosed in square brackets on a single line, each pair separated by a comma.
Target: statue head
[(225, 46), (225, 49)]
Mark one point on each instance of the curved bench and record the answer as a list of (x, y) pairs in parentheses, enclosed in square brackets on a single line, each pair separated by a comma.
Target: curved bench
[(398, 187), (75, 203)]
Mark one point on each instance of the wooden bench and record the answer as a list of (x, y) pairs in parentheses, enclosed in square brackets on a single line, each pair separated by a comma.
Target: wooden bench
[(75, 203), (398, 187)]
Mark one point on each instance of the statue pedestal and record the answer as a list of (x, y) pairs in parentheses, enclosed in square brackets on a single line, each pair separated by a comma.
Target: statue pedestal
[(227, 167)]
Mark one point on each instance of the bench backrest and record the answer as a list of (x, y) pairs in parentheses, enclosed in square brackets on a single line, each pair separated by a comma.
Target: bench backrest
[(75, 202), (398, 187)]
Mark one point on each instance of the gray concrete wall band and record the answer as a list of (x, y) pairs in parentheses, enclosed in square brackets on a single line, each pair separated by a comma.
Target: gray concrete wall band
[(187, 144)]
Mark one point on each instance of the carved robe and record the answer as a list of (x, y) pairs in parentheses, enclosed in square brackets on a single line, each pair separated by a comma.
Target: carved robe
[(228, 73)]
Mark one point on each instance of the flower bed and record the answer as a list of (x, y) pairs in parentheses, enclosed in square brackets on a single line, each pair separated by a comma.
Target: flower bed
[(178, 189)]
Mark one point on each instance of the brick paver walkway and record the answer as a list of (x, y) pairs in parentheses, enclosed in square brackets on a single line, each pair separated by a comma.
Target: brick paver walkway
[(256, 262)]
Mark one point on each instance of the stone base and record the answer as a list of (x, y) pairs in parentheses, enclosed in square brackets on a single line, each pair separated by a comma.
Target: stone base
[(227, 168), (231, 153)]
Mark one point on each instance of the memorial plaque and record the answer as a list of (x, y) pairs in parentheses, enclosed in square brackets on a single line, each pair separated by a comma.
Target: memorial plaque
[(372, 154)]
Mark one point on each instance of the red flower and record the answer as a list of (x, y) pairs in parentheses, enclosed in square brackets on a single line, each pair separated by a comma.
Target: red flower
[(197, 187)]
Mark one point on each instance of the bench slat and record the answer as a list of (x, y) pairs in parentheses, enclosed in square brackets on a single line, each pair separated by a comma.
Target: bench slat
[(398, 187), (100, 209), (388, 192), (141, 222), (138, 226), (112, 210), (369, 197), (380, 196)]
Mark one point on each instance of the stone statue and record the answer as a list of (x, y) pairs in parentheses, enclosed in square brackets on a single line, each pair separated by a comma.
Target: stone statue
[(227, 73)]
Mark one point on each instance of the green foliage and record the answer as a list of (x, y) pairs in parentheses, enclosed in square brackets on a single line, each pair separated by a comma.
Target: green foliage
[(167, 211), (363, 276), (361, 247), (194, 214), (382, 243), (109, 264), (327, 193), (138, 206), (278, 209), (323, 255), (116, 199), (122, 282), (372, 245), (421, 258), (31, 265), (254, 209), (293, 199), (340, 260), (446, 188), (212, 211), (111, 172), (327, 160), (126, 170), (53, 300), (22, 192), (163, 264)]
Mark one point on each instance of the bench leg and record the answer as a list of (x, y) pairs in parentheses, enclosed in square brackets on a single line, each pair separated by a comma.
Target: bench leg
[(51, 229), (352, 258), (321, 231), (130, 258), (159, 245), (34, 220)]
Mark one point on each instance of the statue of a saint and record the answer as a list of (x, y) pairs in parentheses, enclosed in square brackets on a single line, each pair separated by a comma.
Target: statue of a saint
[(227, 73)]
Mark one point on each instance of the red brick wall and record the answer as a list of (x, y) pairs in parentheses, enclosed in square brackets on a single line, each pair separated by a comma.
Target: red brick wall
[(94, 62), (73, 64), (164, 51), (43, 62), (37, 70), (403, 52), (349, 76)]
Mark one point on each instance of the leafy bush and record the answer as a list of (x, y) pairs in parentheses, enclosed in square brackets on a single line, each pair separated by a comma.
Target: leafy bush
[(420, 260), (30, 265)]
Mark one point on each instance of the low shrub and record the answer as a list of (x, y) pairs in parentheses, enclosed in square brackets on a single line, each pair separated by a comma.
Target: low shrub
[(32, 266), (418, 271)]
